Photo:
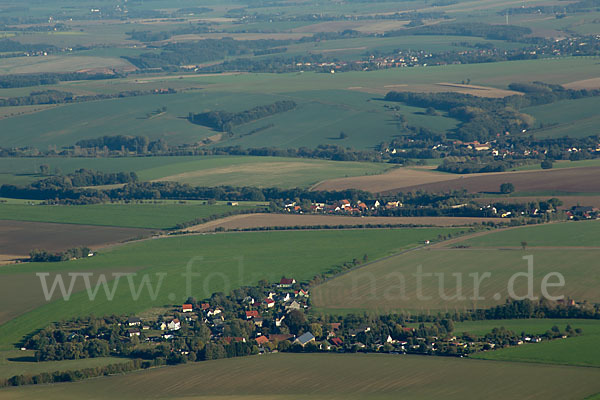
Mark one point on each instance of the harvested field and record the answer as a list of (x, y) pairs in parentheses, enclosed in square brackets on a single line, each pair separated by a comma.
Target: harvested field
[(394, 179), (442, 87), (250, 221), (568, 201), (560, 181), (333, 376), (329, 26), (19, 238), (266, 171), (593, 83), (23, 65)]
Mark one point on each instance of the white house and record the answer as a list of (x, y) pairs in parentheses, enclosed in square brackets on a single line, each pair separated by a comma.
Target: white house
[(174, 325)]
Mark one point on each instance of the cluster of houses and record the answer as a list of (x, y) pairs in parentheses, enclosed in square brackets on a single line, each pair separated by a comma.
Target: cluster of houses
[(343, 207), (500, 151), (271, 310), (583, 212)]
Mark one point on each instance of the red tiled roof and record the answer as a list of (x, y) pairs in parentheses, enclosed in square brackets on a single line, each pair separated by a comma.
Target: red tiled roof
[(252, 314), (262, 340), (187, 307), (286, 281)]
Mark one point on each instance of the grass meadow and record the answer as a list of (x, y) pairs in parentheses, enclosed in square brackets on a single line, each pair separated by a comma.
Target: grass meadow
[(17, 362), (582, 350)]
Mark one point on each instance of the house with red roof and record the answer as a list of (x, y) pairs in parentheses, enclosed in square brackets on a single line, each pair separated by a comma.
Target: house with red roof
[(187, 308), (252, 314), (261, 340), (286, 282), (269, 303)]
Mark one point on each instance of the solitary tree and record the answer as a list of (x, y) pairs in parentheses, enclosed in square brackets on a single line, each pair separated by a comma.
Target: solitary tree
[(524, 245), (547, 164), (507, 188)]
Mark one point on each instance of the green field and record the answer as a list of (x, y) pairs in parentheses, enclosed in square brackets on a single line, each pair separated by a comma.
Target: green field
[(319, 96), (334, 376), (569, 234), (534, 326), (391, 285), (581, 350), (156, 216), (225, 262), (366, 123), (200, 171), (17, 362), (573, 118)]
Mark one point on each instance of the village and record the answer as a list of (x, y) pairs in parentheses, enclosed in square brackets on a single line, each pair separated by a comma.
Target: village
[(259, 320)]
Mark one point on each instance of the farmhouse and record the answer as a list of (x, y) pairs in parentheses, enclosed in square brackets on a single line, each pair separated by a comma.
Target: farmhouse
[(134, 321), (286, 282), (269, 303), (133, 332), (174, 325)]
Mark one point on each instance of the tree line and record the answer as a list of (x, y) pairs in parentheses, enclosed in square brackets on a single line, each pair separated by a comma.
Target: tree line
[(50, 78), (60, 97), (224, 121), (38, 255), (85, 177)]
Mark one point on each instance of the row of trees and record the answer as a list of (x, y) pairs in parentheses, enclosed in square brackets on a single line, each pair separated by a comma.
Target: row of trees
[(224, 121), (77, 375), (50, 78), (84, 177), (38, 255), (60, 97)]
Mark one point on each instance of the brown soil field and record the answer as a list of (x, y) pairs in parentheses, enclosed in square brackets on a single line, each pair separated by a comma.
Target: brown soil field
[(250, 221), (566, 180), (19, 238), (396, 178), (568, 201), (442, 87), (332, 376)]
